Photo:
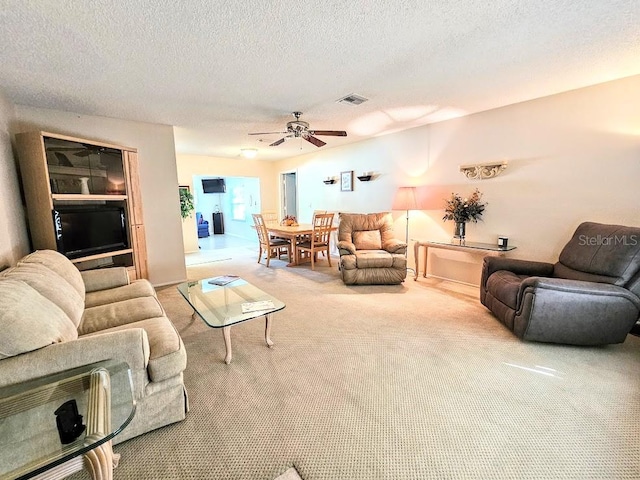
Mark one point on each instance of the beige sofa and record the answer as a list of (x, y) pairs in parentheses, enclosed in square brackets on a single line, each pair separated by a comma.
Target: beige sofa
[(54, 317), (369, 253)]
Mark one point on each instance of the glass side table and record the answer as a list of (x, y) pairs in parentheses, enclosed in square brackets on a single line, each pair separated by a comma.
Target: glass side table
[(30, 445)]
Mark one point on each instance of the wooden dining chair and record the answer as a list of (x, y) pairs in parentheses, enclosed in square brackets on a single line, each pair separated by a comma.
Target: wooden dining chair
[(319, 240), (319, 212), (271, 246), (270, 217)]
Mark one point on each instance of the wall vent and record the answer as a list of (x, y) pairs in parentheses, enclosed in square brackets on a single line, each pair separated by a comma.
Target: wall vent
[(352, 99)]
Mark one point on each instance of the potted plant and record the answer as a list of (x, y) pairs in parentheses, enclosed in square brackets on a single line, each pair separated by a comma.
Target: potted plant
[(463, 210), (186, 202)]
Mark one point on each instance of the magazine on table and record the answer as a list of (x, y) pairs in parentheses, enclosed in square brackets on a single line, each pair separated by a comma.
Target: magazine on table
[(223, 279), (257, 306)]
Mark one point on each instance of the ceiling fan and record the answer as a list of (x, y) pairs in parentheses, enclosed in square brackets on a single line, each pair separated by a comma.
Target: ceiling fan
[(299, 129)]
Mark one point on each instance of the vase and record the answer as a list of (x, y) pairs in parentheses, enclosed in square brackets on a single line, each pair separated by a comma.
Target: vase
[(459, 231), (84, 185)]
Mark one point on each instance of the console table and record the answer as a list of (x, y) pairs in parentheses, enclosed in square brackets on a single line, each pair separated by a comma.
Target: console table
[(30, 446), (469, 247)]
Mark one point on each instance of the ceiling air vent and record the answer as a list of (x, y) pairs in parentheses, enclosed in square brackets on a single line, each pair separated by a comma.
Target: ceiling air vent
[(352, 99)]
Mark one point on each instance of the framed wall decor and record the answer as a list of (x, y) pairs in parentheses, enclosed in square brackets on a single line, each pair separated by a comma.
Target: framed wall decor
[(346, 181)]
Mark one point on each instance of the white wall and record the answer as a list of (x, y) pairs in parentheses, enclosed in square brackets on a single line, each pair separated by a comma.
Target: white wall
[(572, 157), (14, 242), (158, 177), (249, 189)]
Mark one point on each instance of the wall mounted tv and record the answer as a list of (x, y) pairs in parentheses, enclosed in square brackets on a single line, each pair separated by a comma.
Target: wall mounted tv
[(213, 185), (83, 230)]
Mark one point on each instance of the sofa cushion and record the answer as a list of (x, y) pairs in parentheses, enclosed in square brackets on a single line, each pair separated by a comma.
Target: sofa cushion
[(504, 285), (367, 240), (136, 289), (355, 222), (602, 250), (29, 321), (50, 285), (104, 278), (373, 259), (59, 264), (115, 314), (167, 355)]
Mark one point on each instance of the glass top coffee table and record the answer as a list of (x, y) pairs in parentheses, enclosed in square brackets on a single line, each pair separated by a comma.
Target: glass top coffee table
[(221, 306), (30, 442)]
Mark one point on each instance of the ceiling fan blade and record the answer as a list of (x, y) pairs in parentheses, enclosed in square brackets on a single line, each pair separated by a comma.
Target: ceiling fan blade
[(63, 159), (332, 133), (316, 141), (277, 142), (266, 133), (63, 149)]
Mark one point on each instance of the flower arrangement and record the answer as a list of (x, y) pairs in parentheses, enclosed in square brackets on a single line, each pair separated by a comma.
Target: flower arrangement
[(289, 221), (462, 210)]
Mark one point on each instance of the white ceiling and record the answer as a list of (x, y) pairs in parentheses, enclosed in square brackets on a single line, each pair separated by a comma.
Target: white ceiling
[(218, 70)]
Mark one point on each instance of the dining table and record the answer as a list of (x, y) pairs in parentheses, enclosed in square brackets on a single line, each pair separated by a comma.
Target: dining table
[(293, 233)]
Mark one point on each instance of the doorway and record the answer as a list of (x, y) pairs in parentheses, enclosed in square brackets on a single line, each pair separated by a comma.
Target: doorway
[(289, 194), (226, 225)]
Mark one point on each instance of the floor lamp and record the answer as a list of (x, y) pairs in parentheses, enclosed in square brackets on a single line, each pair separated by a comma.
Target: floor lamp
[(405, 199)]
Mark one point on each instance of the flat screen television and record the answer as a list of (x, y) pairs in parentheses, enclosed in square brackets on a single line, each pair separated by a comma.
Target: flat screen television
[(213, 185), (83, 230)]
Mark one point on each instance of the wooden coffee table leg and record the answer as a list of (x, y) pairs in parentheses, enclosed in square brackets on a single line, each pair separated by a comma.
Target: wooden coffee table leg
[(226, 333), (267, 330), (99, 462)]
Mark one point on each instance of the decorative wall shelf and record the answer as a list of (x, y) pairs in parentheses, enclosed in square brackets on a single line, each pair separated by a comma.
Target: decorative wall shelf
[(329, 181), (482, 171), (364, 178)]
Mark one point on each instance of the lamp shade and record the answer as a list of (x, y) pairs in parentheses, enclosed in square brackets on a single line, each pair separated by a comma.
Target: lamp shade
[(405, 199)]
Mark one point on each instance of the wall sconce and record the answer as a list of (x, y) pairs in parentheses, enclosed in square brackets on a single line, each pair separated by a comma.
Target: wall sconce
[(329, 181), (248, 152), (365, 177), (482, 171)]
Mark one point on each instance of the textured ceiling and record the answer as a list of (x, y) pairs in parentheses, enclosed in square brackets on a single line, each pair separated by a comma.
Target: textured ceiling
[(218, 70)]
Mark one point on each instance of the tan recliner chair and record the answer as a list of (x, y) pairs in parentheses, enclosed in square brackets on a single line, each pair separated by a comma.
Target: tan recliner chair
[(369, 253)]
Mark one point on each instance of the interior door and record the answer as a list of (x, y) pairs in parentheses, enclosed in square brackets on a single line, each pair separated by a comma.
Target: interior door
[(289, 194)]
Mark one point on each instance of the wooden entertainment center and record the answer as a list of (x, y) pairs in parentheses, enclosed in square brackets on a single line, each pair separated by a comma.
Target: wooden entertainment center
[(68, 174)]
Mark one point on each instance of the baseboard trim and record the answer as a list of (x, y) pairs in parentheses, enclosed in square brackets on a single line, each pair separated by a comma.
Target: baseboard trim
[(451, 280)]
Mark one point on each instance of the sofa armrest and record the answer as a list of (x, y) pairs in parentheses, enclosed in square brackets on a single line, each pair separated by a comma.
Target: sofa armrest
[(394, 246), (519, 267), (592, 313), (104, 278), (130, 346), (578, 287), (346, 248)]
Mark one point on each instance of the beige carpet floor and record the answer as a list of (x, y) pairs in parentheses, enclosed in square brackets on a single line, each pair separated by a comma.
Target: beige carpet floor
[(416, 381)]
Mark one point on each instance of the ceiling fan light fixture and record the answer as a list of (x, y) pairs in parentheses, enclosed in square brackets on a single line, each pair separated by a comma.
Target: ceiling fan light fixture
[(300, 129), (249, 152)]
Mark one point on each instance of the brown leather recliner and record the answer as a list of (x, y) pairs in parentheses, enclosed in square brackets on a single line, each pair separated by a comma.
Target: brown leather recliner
[(369, 253), (591, 296)]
